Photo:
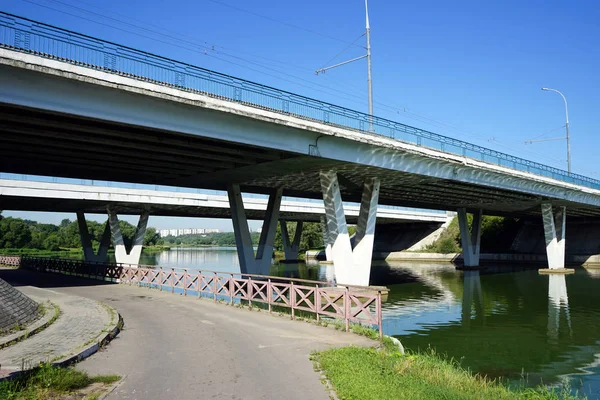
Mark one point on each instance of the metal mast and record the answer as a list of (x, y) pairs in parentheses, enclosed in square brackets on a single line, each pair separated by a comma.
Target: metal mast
[(369, 81), (367, 56)]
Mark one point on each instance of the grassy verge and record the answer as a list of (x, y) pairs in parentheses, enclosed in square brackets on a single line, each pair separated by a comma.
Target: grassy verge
[(370, 374), (48, 382)]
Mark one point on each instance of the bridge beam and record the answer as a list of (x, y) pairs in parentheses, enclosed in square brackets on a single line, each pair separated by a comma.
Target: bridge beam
[(249, 263), (290, 248), (352, 266), (125, 254), (470, 238), (86, 241), (554, 233)]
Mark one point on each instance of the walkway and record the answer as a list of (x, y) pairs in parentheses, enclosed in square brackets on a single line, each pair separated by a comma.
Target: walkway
[(184, 348), (81, 322)]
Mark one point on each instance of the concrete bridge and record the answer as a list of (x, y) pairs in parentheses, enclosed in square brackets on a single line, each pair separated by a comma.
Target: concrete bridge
[(79, 107), (26, 193)]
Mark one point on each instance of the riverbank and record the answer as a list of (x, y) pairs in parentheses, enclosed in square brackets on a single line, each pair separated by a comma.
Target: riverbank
[(68, 252), (366, 373), (490, 258)]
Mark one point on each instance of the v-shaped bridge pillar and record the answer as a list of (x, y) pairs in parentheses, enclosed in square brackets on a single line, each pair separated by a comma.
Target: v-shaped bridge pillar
[(470, 238), (554, 233), (291, 247), (125, 254), (249, 263), (352, 266), (86, 241)]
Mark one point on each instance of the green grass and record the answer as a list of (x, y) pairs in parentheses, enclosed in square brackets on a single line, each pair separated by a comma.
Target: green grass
[(47, 382), (358, 373)]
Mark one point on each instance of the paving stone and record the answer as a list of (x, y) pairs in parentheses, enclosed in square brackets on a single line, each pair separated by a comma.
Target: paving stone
[(81, 322)]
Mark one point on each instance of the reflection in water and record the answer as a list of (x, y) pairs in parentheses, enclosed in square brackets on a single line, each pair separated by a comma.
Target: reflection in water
[(557, 302), (472, 292)]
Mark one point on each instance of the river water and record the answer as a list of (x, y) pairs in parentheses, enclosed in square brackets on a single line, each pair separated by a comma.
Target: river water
[(502, 322)]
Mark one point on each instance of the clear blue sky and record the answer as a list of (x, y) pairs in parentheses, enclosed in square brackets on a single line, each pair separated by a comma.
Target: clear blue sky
[(467, 69)]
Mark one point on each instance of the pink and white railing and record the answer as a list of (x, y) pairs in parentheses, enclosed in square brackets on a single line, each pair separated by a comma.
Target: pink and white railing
[(348, 303)]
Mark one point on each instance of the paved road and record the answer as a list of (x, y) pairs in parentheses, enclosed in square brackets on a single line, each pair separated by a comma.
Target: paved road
[(176, 347)]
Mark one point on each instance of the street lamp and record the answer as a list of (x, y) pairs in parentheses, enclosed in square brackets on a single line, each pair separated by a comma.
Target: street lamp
[(566, 126)]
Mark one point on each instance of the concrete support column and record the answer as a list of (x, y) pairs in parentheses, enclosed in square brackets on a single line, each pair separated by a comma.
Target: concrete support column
[(351, 266), (261, 263), (127, 254), (327, 241), (86, 241), (290, 248), (365, 229), (554, 233), (470, 239)]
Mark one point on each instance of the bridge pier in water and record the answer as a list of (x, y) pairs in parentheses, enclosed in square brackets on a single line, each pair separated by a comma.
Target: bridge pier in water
[(470, 238), (249, 263), (86, 241), (352, 265), (290, 248), (127, 254), (554, 233)]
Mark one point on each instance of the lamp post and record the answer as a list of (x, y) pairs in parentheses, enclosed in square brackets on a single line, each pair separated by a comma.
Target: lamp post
[(566, 126)]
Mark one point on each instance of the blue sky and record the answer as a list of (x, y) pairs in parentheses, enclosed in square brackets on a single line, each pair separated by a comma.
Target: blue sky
[(467, 69)]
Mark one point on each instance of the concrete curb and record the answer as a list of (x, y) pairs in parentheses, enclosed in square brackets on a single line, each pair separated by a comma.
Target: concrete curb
[(93, 348), (83, 354), (37, 327)]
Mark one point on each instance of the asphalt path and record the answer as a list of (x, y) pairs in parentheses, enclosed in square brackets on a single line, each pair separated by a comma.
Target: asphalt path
[(176, 347)]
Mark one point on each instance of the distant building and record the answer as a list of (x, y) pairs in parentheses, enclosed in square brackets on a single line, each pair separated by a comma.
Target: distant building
[(186, 231)]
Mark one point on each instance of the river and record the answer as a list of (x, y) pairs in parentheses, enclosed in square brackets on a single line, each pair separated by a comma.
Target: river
[(502, 322)]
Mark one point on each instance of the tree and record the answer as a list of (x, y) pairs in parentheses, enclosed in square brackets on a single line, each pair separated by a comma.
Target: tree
[(14, 233), (152, 238)]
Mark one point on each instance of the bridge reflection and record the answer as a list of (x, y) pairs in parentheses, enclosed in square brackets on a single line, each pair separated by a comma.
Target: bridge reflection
[(500, 322)]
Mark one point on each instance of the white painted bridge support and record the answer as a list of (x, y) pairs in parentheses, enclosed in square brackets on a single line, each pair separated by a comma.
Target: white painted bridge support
[(127, 254), (249, 263), (554, 233), (86, 241), (470, 238), (327, 239), (290, 248), (352, 266)]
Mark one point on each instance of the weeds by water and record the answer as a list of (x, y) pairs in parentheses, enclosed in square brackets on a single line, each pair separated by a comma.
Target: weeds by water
[(358, 373)]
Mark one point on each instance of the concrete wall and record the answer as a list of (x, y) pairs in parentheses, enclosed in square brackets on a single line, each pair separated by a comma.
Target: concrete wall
[(15, 307)]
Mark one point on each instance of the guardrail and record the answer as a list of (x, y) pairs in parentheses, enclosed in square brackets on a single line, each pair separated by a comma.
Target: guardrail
[(25, 35), (11, 261), (344, 302)]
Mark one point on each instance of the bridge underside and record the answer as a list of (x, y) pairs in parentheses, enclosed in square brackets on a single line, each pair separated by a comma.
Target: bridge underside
[(15, 203), (39, 142)]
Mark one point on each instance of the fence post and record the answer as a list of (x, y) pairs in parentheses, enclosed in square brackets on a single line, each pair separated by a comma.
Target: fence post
[(347, 308), (269, 294), (214, 286), (162, 277), (317, 302), (292, 299), (231, 288), (249, 291), (379, 316), (185, 279), (172, 280), (199, 282)]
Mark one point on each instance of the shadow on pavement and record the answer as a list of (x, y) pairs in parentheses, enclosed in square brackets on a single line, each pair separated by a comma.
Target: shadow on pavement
[(21, 277)]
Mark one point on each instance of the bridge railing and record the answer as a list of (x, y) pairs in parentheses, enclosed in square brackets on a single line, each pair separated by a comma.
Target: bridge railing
[(24, 35), (342, 302)]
